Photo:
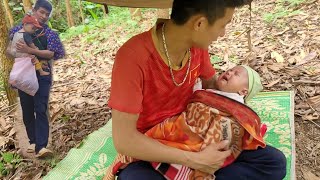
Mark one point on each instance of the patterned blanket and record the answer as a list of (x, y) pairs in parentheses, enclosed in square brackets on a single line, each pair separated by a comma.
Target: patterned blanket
[(209, 118), (97, 152)]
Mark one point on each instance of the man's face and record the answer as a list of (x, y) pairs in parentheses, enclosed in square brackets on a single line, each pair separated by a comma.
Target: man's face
[(41, 14), (234, 80), (210, 33), (29, 28)]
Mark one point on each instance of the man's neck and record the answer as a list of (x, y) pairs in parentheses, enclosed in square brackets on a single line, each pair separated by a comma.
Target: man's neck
[(177, 40)]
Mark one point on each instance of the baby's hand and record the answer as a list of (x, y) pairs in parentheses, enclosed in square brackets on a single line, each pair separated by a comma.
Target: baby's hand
[(33, 59)]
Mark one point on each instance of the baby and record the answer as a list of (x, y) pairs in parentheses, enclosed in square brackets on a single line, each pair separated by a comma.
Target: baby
[(30, 25), (239, 83)]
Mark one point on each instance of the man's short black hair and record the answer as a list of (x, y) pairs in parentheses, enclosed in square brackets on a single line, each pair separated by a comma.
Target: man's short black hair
[(43, 4), (182, 10)]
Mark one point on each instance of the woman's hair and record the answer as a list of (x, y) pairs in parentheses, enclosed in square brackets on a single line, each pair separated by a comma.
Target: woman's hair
[(43, 4), (182, 10)]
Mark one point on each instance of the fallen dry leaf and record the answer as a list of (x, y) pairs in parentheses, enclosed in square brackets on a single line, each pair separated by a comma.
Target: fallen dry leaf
[(314, 101), (311, 117), (278, 57), (3, 141), (12, 132), (276, 66), (3, 122), (273, 83), (307, 58), (308, 175)]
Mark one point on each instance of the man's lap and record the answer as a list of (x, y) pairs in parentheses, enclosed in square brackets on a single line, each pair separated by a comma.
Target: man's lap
[(140, 170), (267, 163), (264, 163)]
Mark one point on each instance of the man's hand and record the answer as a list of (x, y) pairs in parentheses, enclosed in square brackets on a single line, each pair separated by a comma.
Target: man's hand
[(209, 83), (210, 159), (23, 47)]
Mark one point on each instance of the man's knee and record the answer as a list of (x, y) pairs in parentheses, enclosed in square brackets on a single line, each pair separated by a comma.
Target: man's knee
[(41, 104), (278, 161), (140, 170)]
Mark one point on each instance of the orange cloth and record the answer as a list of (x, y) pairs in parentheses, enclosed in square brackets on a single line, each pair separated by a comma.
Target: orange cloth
[(209, 118)]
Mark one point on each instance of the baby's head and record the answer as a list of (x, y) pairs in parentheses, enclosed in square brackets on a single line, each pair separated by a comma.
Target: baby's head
[(30, 24), (242, 80)]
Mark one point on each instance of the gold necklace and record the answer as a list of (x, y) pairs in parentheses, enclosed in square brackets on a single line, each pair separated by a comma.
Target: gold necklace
[(169, 61)]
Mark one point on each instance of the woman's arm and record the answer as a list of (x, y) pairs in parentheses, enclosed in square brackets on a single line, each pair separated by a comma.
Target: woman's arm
[(24, 48), (129, 141)]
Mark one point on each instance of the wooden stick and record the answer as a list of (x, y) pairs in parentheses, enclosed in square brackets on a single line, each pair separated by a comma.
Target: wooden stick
[(306, 82), (8, 107), (10, 110), (248, 29), (249, 32)]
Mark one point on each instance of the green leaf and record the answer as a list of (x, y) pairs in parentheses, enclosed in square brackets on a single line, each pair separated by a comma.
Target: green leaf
[(1, 166), (90, 6), (94, 15), (215, 59), (49, 24), (3, 170), (17, 9), (7, 157)]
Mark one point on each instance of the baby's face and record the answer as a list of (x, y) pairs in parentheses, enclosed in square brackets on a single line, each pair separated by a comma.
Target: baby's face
[(30, 28), (234, 80)]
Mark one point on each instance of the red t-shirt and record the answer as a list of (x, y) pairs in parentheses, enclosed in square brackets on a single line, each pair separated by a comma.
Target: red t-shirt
[(142, 84)]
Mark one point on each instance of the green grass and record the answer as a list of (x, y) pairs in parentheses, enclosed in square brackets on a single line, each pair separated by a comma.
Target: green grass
[(1, 85), (2, 90), (280, 13), (283, 8), (8, 163), (117, 17)]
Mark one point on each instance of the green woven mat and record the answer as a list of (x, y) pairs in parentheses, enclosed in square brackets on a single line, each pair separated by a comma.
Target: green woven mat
[(276, 109), (97, 152)]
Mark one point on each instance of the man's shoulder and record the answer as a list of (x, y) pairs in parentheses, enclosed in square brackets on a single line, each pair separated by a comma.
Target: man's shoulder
[(15, 29), (139, 44), (138, 41), (50, 32)]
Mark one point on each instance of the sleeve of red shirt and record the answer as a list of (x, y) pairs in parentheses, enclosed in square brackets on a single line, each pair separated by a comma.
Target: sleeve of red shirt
[(206, 69), (127, 82)]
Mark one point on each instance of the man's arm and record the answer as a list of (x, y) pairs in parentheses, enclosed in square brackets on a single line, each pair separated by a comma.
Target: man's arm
[(55, 44), (33, 46), (129, 141), (209, 83), (23, 47)]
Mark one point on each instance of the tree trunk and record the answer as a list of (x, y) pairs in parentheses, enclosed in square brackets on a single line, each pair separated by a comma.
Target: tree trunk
[(81, 12), (6, 64), (69, 14), (8, 12), (105, 10), (27, 5), (163, 13)]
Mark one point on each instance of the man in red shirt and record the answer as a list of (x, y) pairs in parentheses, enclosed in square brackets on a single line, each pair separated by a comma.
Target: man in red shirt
[(153, 78)]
